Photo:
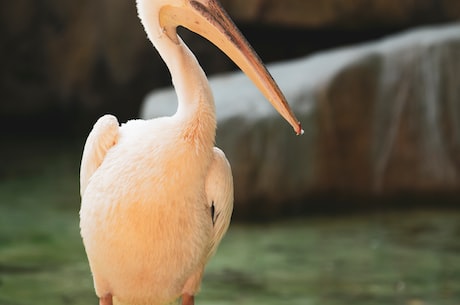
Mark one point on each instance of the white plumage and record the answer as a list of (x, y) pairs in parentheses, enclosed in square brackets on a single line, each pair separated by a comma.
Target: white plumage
[(157, 196)]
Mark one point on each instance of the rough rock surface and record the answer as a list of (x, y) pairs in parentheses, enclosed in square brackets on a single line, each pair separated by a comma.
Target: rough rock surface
[(339, 13), (68, 55), (379, 118), (69, 59)]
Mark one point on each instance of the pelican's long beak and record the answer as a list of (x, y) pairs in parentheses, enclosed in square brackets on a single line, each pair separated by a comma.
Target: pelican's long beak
[(208, 19)]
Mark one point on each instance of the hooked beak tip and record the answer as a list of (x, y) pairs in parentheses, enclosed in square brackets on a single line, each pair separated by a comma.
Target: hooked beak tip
[(299, 130)]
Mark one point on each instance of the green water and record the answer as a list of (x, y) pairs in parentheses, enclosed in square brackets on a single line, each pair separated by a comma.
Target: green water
[(390, 258), (408, 257)]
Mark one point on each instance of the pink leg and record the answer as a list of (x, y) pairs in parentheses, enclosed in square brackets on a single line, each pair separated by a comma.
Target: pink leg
[(188, 299), (106, 300)]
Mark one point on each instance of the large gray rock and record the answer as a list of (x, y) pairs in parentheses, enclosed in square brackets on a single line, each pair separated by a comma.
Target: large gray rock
[(379, 118), (74, 60)]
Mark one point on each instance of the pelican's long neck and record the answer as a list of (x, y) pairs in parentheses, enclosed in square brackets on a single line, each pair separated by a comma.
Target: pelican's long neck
[(196, 110)]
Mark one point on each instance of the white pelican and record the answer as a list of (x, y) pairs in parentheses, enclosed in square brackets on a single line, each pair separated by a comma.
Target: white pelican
[(157, 196)]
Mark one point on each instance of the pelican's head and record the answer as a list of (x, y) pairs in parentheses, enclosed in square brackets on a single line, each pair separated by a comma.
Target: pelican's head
[(208, 19)]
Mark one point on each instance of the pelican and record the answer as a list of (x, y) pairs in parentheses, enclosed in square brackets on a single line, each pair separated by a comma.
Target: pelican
[(157, 196)]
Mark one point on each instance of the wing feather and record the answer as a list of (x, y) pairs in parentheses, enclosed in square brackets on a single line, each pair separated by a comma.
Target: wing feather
[(219, 191), (102, 137)]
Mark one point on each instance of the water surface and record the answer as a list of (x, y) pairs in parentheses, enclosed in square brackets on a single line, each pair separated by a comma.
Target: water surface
[(408, 257)]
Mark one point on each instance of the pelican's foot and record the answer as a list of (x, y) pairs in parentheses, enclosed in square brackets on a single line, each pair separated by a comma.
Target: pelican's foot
[(188, 299), (106, 300)]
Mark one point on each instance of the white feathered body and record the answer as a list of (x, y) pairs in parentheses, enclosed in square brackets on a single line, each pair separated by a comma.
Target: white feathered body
[(145, 212)]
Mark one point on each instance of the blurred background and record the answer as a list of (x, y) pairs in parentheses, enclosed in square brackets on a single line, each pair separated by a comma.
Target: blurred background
[(363, 209)]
